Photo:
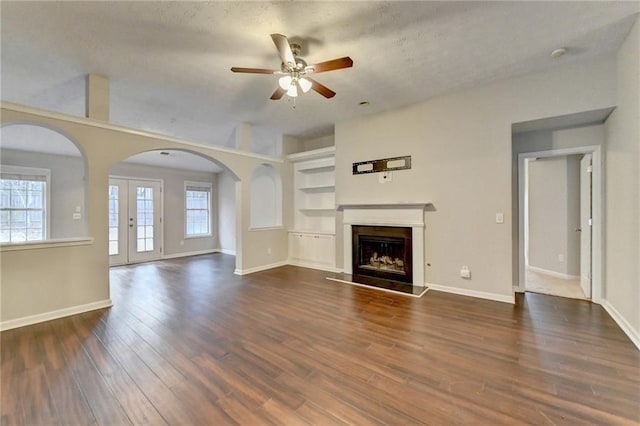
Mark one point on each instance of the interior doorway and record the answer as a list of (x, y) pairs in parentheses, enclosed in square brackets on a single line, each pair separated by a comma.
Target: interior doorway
[(135, 216), (559, 219)]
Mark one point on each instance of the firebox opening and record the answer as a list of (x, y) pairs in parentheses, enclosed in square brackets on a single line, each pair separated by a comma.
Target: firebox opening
[(382, 252)]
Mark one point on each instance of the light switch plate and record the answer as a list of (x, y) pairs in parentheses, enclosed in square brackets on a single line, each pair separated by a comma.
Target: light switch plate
[(499, 217)]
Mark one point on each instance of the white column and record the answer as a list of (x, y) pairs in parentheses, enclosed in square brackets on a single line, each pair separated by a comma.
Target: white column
[(417, 242), (347, 266), (97, 97)]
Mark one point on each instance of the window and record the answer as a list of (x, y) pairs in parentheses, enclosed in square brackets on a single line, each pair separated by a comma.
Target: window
[(197, 209), (23, 204)]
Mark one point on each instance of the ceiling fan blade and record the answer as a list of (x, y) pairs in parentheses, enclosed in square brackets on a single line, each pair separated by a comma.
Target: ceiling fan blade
[(284, 49), (253, 70), (321, 88), (334, 64), (278, 94)]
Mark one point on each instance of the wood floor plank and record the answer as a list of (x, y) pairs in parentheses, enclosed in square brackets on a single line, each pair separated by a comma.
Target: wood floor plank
[(104, 406), (266, 384), (71, 405), (38, 404), (188, 342), (202, 409), (234, 382), (277, 414), (317, 415)]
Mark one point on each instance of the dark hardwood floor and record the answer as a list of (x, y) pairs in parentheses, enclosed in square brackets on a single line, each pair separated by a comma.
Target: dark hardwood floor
[(187, 342)]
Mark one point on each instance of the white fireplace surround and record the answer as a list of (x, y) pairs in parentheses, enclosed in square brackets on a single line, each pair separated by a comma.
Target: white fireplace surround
[(407, 215)]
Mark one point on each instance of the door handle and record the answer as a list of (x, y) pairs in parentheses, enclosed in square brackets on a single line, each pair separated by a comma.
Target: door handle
[(578, 229)]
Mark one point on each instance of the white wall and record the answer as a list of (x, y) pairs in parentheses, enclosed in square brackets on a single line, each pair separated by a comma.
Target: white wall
[(266, 141), (67, 188), (554, 213), (226, 194), (461, 162), (175, 242), (622, 180), (319, 142)]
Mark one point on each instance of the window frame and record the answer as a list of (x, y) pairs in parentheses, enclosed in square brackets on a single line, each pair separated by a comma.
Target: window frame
[(46, 204), (209, 186)]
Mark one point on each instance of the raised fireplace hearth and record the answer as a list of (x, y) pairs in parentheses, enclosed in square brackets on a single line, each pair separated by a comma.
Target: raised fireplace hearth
[(382, 252)]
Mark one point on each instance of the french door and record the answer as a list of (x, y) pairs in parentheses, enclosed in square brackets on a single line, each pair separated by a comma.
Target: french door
[(134, 220)]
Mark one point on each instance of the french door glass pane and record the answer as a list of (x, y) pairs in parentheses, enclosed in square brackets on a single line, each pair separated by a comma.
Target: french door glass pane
[(144, 231), (113, 220)]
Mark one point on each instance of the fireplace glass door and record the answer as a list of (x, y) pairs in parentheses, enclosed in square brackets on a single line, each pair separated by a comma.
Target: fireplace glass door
[(382, 252)]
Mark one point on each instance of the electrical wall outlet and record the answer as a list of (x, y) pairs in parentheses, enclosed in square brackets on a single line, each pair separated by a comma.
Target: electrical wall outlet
[(465, 272), (561, 258), (269, 250)]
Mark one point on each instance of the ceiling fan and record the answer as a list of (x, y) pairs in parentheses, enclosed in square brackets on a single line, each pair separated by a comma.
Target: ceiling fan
[(294, 70)]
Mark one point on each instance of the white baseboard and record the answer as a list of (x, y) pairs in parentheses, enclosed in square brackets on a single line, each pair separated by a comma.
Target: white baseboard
[(259, 268), (553, 273), (227, 251), (313, 266), (48, 316), (473, 293), (633, 335), (190, 253)]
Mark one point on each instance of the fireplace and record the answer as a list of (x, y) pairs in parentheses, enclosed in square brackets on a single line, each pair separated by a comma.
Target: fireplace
[(391, 217), (382, 253)]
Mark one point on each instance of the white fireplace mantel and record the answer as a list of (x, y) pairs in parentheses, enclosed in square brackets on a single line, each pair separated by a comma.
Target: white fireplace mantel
[(399, 214)]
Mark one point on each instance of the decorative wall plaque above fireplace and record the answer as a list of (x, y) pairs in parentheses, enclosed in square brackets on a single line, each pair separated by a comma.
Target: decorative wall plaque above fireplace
[(382, 252)]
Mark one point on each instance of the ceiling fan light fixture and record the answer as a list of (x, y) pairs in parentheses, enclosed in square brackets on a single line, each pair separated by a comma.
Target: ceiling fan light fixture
[(293, 90), (285, 82), (305, 84)]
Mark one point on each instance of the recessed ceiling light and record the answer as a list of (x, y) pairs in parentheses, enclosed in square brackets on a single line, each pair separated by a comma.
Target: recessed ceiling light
[(364, 103), (558, 52)]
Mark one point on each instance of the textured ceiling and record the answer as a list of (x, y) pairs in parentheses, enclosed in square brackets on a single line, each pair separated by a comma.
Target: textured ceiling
[(168, 62)]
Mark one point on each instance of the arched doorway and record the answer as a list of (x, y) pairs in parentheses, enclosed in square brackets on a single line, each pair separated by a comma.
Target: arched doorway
[(170, 203)]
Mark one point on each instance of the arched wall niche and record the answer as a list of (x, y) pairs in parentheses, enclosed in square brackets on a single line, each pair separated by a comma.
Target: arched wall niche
[(266, 197), (45, 149)]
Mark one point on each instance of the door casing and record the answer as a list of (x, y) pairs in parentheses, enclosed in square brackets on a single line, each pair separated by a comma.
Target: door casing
[(597, 214), (127, 233)]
